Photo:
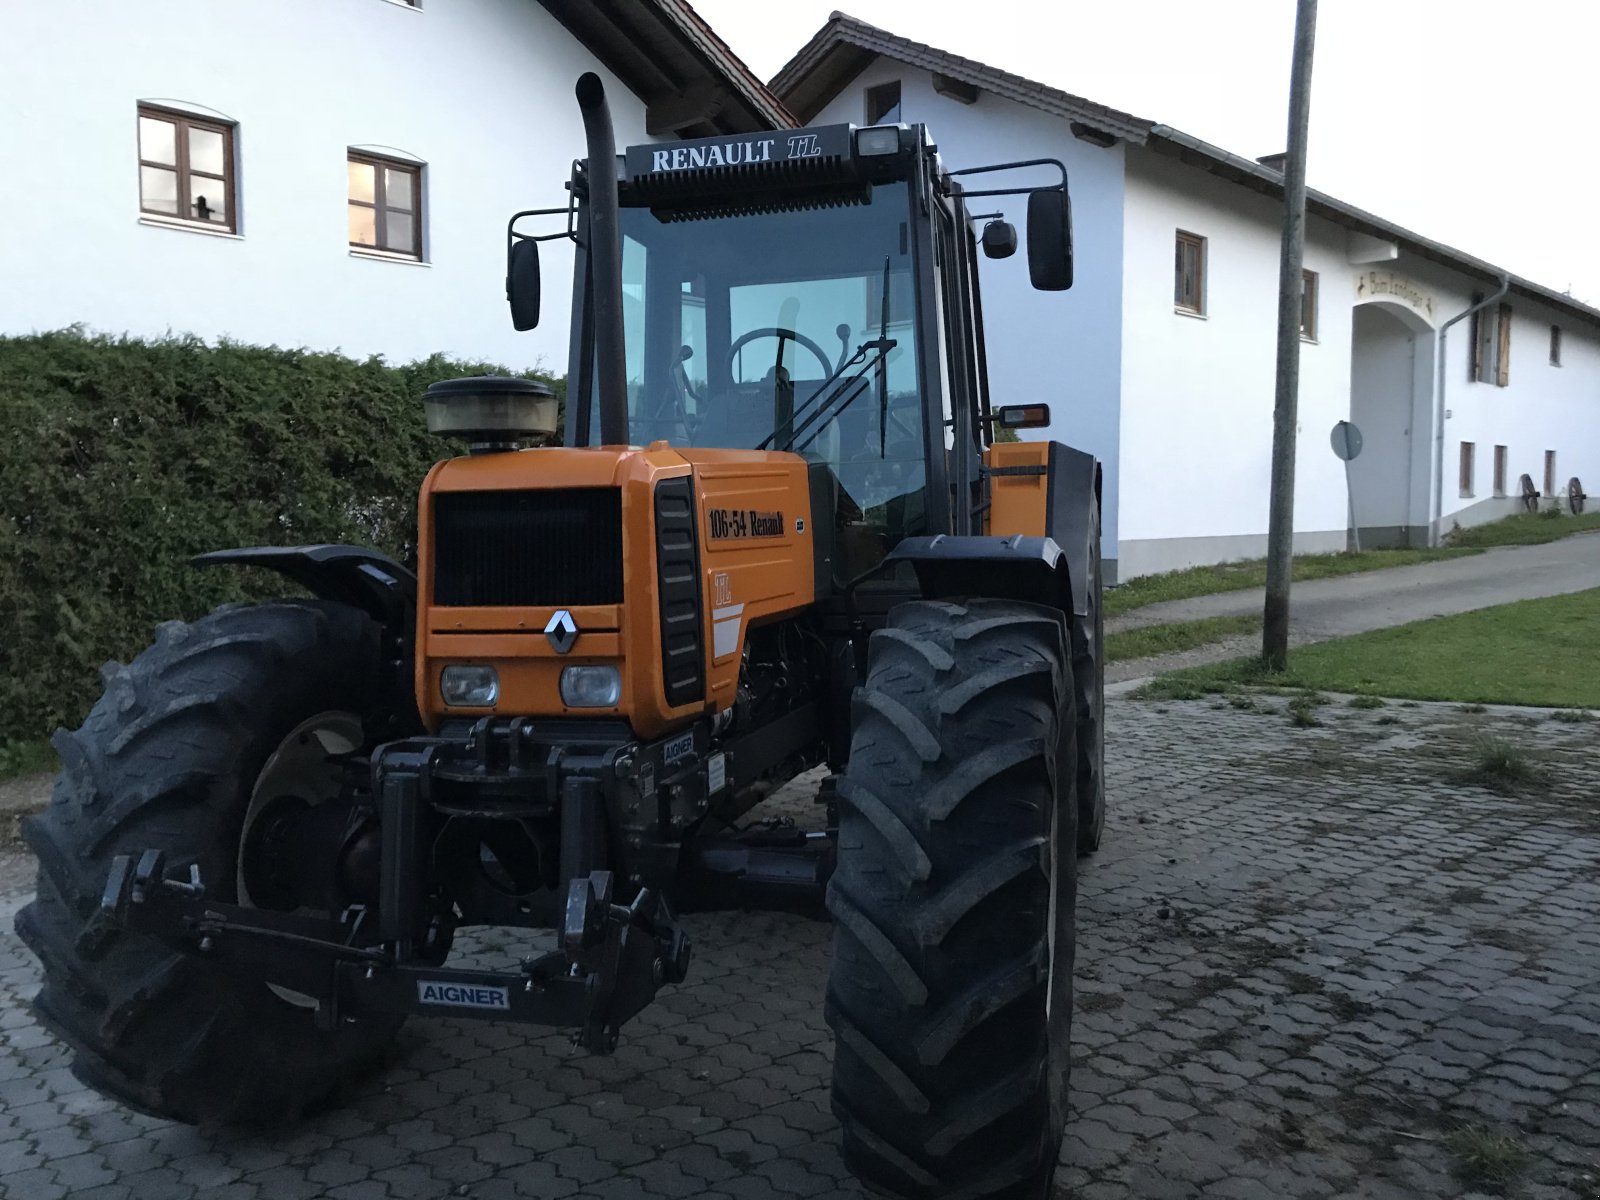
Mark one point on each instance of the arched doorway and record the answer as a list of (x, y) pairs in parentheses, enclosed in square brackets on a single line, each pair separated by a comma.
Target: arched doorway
[(1391, 377)]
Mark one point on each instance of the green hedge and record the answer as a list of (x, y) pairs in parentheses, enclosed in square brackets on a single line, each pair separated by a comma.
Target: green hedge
[(120, 459)]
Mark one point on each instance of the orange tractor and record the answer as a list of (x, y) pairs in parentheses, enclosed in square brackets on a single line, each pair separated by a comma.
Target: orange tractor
[(786, 528)]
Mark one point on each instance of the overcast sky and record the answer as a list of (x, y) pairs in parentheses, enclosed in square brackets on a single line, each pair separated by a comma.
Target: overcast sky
[(1467, 121)]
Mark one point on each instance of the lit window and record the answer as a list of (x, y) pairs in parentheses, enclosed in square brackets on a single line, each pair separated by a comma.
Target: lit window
[(186, 168), (1189, 283), (883, 104), (385, 205)]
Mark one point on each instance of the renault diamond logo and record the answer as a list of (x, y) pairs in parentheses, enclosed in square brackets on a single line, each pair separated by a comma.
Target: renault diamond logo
[(561, 631)]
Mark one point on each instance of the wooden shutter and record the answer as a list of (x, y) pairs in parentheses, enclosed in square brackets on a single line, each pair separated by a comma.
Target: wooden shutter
[(1476, 373), (1502, 360)]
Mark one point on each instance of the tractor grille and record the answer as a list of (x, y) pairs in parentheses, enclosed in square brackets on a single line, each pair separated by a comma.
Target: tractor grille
[(527, 549), (683, 643)]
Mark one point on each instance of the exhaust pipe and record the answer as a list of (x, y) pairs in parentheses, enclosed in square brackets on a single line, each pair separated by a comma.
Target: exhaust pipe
[(605, 261)]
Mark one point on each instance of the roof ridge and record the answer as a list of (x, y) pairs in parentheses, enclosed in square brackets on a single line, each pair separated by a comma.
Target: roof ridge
[(842, 28)]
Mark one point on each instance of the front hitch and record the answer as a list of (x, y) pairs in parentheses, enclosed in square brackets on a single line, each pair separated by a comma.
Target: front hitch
[(613, 957)]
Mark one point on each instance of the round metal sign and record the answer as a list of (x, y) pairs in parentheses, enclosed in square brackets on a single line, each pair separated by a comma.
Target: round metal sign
[(1346, 439)]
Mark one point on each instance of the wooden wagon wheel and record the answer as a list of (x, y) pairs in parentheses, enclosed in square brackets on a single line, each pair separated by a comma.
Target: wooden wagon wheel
[(1530, 495), (1575, 496)]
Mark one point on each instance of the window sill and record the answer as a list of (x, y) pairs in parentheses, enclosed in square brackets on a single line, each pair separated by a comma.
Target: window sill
[(1309, 341), (404, 260), (1468, 496), (416, 8), (1189, 312), (189, 227)]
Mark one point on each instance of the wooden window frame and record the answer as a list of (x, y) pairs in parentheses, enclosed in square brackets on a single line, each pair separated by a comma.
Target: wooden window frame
[(1502, 354), (182, 122), (1308, 306), (1555, 345), (381, 207), (1501, 454), (899, 101), (1491, 346), (1468, 469), (1179, 303)]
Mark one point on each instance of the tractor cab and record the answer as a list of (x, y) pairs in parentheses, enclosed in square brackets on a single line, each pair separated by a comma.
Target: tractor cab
[(815, 293)]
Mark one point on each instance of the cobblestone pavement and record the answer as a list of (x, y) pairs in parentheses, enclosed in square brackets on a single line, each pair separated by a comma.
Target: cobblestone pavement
[(1313, 962)]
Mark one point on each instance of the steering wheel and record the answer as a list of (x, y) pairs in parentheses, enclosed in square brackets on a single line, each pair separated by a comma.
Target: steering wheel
[(745, 339)]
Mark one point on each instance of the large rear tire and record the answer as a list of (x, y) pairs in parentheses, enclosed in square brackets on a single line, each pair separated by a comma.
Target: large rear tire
[(1089, 680), (950, 992), (168, 759)]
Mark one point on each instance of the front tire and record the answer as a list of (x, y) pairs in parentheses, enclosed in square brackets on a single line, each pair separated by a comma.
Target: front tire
[(168, 759), (950, 992)]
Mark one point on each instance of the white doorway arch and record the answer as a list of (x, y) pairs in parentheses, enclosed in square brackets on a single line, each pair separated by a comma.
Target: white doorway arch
[(1391, 401)]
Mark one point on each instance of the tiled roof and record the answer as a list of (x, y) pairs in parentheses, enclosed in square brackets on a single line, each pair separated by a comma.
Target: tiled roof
[(664, 52), (844, 45)]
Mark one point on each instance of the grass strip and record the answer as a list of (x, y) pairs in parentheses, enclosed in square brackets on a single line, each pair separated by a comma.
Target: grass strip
[(1536, 652), (1151, 640)]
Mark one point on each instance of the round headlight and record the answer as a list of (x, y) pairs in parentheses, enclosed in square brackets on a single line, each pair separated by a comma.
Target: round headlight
[(492, 412)]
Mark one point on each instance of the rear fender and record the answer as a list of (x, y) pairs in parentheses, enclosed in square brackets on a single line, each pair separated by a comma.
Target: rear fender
[(354, 575), (1032, 569)]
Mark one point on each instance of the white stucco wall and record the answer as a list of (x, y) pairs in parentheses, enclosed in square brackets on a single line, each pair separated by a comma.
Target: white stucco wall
[(1544, 407), (1198, 391), (1058, 347), (480, 90)]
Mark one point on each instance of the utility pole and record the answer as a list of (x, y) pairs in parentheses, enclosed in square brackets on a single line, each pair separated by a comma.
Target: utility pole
[(1285, 413)]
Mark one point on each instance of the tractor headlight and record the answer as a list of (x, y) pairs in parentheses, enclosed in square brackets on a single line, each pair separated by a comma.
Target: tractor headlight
[(590, 687), (469, 686), (880, 139)]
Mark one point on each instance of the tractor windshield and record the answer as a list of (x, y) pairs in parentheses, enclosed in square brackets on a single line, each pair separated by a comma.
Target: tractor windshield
[(785, 331)]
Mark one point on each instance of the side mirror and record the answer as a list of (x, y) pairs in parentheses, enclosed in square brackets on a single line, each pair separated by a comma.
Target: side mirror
[(522, 283), (1050, 240), (999, 239)]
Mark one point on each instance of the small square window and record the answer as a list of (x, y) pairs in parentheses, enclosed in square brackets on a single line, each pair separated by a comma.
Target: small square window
[(883, 104), (186, 168), (1308, 306), (385, 205), (1467, 455), (1555, 345), (1189, 277)]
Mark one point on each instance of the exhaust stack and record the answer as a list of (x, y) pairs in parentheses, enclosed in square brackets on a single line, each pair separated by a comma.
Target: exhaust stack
[(605, 261)]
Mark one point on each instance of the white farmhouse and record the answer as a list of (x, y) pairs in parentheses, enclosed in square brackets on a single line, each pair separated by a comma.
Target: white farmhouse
[(333, 174), (1160, 359)]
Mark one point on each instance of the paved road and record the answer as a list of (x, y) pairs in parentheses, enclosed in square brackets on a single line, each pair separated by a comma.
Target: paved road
[(1328, 608), (1309, 960)]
